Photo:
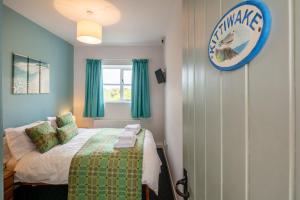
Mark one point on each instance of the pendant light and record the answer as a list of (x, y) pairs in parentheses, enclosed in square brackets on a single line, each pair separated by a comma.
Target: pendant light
[(89, 32)]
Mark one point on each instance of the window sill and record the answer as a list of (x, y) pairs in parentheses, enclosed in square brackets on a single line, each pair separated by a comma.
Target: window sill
[(118, 102)]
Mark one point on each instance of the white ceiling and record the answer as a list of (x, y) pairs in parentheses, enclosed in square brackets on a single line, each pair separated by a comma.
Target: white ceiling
[(143, 22)]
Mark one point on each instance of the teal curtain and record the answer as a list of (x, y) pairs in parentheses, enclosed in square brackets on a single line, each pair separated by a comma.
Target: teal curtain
[(140, 97), (94, 100)]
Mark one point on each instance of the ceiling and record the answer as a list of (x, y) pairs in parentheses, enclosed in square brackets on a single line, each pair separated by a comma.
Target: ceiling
[(142, 22)]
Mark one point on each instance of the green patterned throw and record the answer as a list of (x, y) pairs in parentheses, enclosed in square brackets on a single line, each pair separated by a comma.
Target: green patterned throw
[(101, 172)]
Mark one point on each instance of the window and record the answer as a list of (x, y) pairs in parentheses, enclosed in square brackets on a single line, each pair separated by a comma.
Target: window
[(117, 83)]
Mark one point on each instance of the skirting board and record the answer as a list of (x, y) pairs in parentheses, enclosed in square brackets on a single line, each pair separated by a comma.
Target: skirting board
[(161, 146)]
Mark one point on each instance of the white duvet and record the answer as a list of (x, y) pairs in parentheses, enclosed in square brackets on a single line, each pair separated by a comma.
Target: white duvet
[(53, 166)]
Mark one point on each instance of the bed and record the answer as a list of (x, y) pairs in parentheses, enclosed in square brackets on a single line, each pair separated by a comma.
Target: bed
[(52, 167)]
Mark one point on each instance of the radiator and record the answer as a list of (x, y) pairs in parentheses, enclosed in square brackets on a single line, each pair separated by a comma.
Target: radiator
[(114, 123)]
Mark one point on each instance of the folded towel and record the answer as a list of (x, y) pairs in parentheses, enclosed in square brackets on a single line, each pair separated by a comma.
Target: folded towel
[(133, 126), (128, 132), (127, 137), (126, 142), (132, 129)]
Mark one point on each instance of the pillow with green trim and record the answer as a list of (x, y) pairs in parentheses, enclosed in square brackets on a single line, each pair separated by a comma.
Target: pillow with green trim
[(64, 120), (43, 136), (66, 133)]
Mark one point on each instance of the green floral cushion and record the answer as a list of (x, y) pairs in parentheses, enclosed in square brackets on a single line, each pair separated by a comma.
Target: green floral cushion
[(43, 136), (66, 133), (64, 120)]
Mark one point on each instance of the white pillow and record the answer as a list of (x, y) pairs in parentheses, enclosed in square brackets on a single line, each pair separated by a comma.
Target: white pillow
[(18, 142), (52, 121), (8, 160), (6, 153)]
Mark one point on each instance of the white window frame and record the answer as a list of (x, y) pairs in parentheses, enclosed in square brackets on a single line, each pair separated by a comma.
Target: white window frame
[(122, 68)]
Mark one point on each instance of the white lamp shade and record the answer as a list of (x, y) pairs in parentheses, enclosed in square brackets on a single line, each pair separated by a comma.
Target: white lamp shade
[(89, 32)]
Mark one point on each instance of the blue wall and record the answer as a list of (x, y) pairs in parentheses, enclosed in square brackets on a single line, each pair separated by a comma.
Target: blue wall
[(1, 151), (27, 38), (1, 30)]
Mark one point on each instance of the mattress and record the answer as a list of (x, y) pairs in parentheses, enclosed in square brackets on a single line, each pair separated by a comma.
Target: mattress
[(53, 166)]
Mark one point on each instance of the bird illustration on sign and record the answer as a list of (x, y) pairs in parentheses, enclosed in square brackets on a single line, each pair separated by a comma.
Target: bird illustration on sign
[(225, 51)]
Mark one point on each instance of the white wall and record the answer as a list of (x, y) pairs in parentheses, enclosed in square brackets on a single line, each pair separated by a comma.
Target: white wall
[(173, 116), (155, 54)]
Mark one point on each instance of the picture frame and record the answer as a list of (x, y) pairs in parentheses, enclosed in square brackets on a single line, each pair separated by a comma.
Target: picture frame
[(30, 76), (33, 76), (44, 78), (20, 74)]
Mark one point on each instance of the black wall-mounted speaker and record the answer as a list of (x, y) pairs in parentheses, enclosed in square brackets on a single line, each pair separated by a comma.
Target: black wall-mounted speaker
[(160, 76)]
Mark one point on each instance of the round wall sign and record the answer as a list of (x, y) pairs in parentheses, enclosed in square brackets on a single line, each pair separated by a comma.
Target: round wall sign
[(239, 35)]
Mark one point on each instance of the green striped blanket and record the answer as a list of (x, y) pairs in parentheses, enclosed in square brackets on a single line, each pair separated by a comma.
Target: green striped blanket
[(101, 172)]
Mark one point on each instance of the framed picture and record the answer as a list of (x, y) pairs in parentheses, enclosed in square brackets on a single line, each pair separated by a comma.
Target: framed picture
[(20, 74), (44, 78), (30, 76), (33, 76)]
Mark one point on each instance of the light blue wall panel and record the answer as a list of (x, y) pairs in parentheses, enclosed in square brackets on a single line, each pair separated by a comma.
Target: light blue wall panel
[(24, 37), (184, 75), (269, 111), (1, 41), (213, 112), (234, 135), (1, 119), (200, 70), (190, 98), (296, 13), (245, 127), (186, 138)]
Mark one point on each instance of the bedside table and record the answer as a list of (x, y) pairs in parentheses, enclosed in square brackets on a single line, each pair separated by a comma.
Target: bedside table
[(8, 184)]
